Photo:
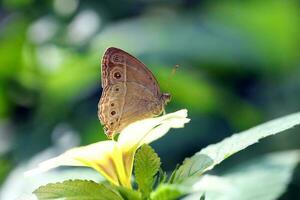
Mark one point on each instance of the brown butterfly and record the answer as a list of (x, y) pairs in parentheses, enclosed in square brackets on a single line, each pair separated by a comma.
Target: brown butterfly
[(130, 92)]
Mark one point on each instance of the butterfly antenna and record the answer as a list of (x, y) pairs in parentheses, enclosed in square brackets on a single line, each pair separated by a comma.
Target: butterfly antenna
[(172, 74), (174, 70)]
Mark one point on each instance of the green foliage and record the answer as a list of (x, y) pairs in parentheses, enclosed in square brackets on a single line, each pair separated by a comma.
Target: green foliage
[(146, 166), (162, 176), (16, 3), (281, 16), (166, 192), (77, 190), (128, 194), (173, 175), (191, 167), (212, 155), (202, 197), (5, 166), (263, 178)]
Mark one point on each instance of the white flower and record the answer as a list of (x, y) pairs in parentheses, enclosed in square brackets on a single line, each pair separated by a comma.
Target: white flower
[(114, 159)]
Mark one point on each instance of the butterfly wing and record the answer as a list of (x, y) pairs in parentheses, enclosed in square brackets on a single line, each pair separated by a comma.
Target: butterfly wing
[(116, 62), (130, 91)]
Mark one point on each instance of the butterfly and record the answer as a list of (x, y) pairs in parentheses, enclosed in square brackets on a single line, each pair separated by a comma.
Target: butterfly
[(130, 92)]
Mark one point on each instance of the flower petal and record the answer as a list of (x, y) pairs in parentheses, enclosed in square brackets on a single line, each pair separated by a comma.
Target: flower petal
[(104, 156), (148, 130)]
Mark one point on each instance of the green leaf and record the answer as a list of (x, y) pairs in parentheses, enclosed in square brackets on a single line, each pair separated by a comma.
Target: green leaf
[(146, 165), (162, 176), (166, 192), (77, 190), (128, 194), (214, 154), (202, 197), (264, 178), (173, 175)]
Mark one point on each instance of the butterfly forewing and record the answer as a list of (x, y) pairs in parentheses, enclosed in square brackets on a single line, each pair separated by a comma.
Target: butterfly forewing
[(114, 63)]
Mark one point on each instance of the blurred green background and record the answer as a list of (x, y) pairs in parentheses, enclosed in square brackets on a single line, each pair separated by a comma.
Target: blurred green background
[(239, 65)]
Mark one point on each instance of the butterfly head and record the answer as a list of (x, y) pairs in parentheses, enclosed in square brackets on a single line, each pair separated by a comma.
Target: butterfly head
[(166, 98)]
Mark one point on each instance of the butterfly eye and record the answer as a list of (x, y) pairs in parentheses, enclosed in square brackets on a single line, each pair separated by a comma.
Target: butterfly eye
[(113, 112), (112, 104), (117, 75)]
